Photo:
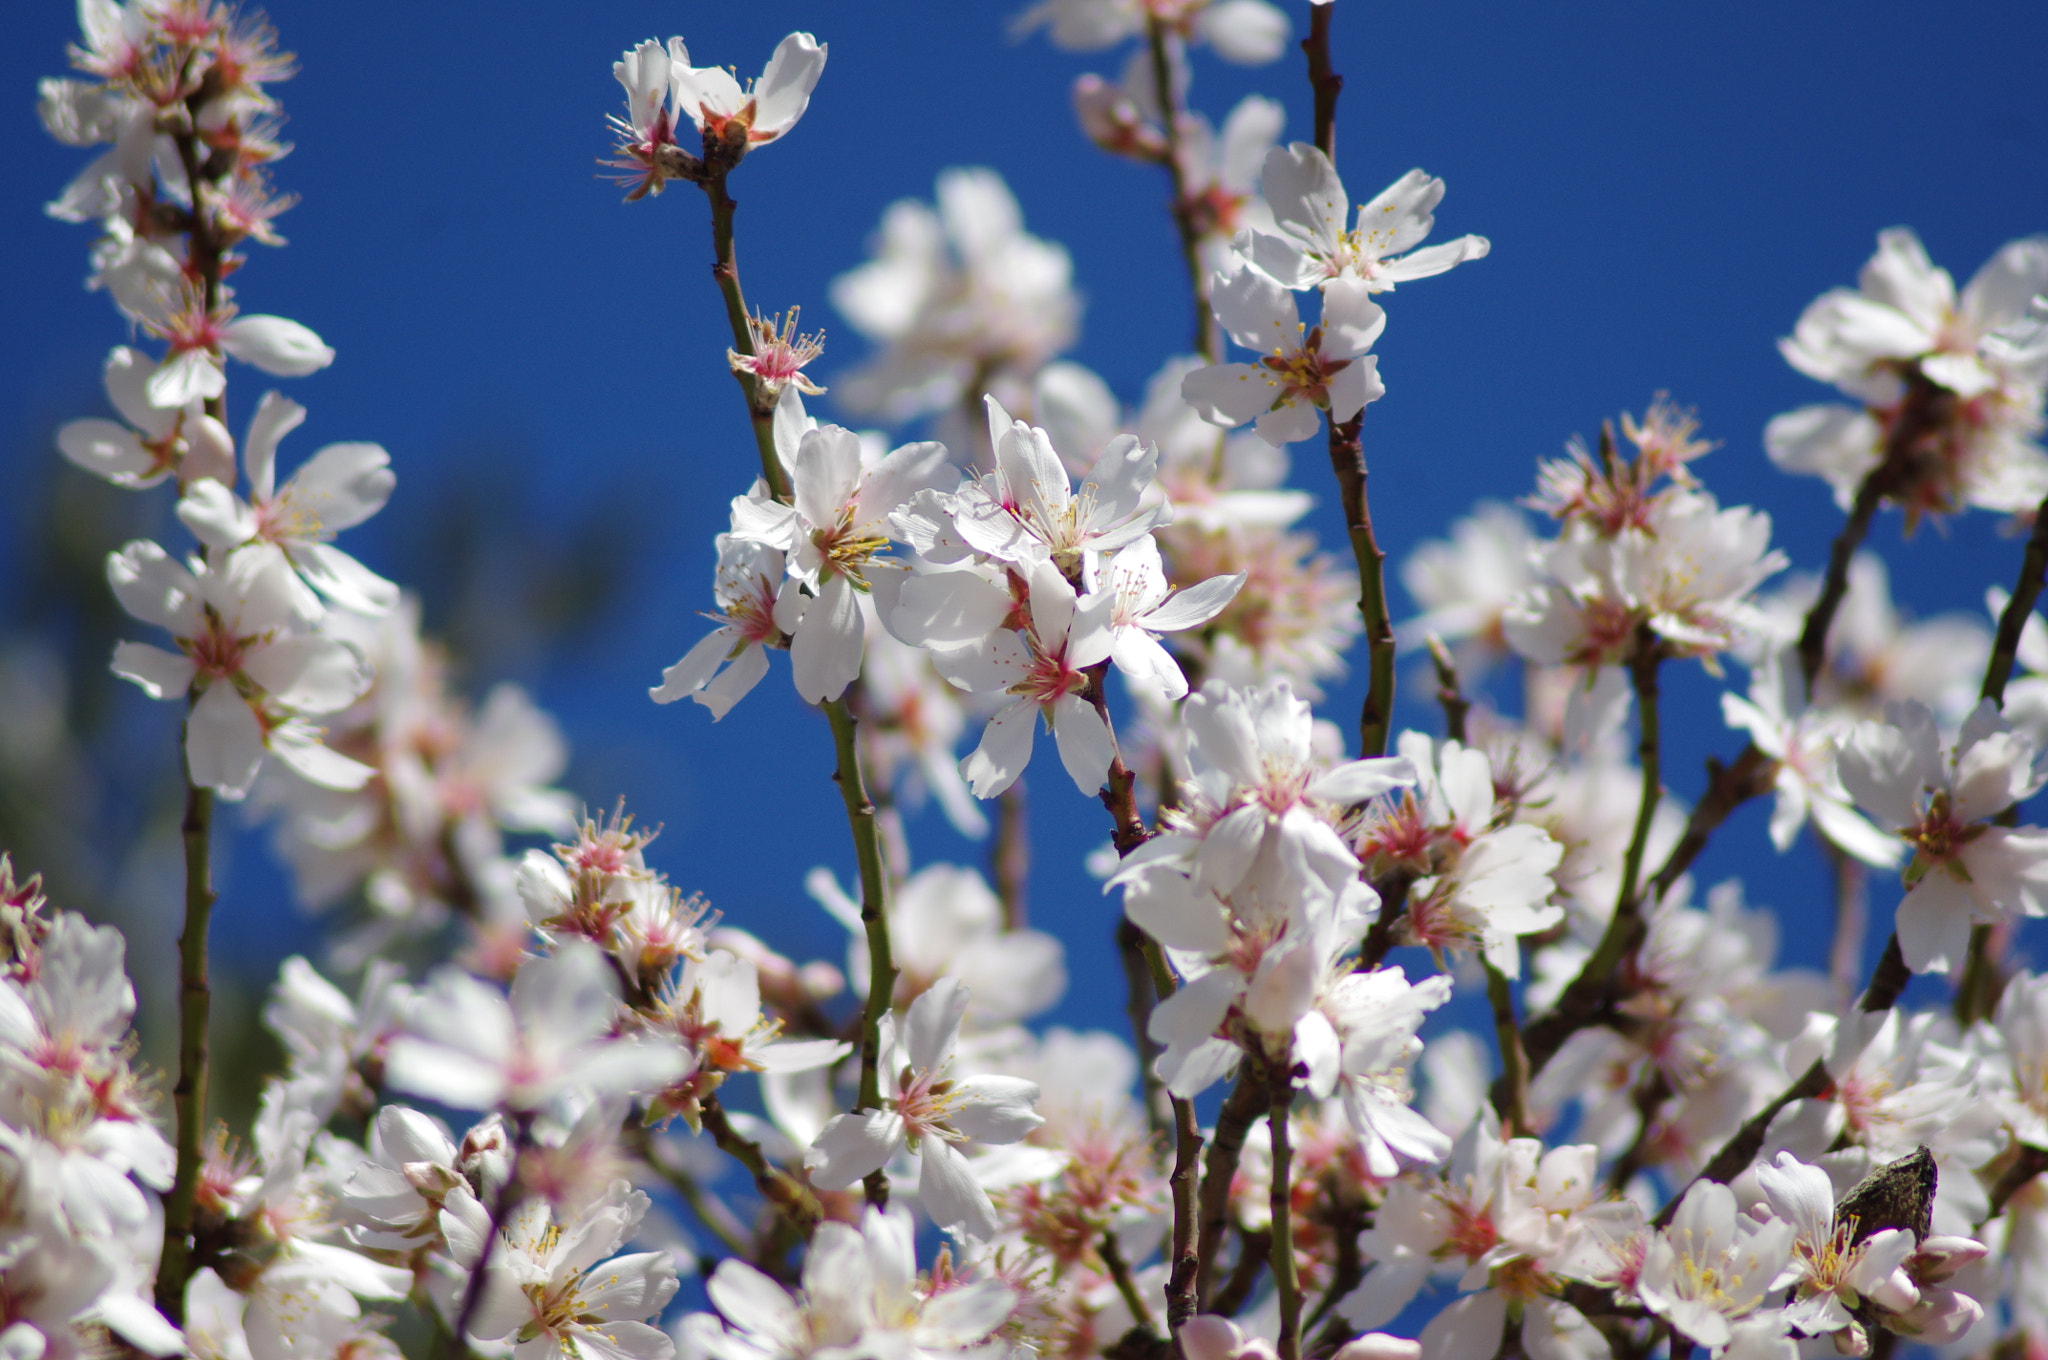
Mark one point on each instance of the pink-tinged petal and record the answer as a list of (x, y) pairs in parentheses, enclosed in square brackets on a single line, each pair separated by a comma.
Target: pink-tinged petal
[(223, 742), (933, 1023), (309, 674), (949, 1192), (825, 654), (194, 375), (1469, 1329), (1302, 188), (276, 345), (1934, 922), (110, 450), (1351, 319), (161, 674), (784, 91), (1004, 751), (1259, 314), (276, 416), (1290, 424), (947, 609), (852, 1146), (1194, 606), (1228, 394), (1350, 390), (216, 516), (1086, 746), (300, 748)]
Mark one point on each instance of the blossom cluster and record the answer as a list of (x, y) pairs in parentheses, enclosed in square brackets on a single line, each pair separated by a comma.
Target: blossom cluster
[(524, 1138)]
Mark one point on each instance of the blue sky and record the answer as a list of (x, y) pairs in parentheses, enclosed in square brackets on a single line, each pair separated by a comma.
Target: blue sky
[(1665, 188)]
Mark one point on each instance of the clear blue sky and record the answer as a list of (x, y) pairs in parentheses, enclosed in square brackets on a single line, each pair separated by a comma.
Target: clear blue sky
[(1665, 186)]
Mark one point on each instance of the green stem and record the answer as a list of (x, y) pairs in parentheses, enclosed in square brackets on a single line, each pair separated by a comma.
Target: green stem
[(711, 1211), (726, 271), (189, 1095), (874, 917), (1286, 1283)]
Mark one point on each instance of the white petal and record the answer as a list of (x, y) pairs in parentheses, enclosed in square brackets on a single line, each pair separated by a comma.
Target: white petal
[(223, 742), (949, 1192), (275, 345), (825, 654), (1086, 747), (1004, 751)]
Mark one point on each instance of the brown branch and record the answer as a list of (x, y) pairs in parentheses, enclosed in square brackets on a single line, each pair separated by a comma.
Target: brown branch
[(1511, 1092), (1245, 1103), (1184, 208), (1324, 82), (1009, 858), (1453, 700), (789, 1196), (1254, 1251)]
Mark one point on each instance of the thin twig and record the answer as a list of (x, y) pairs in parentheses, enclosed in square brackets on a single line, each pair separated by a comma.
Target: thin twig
[(1119, 1270), (1286, 1282), (1455, 704), (874, 918), (1653, 1088), (1009, 858), (790, 1197), (1241, 1108), (725, 271), (1924, 407), (716, 1216), (1254, 1253), (194, 1005), (1142, 994)]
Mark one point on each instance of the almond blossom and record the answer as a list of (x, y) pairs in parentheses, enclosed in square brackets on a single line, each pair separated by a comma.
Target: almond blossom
[(1143, 611), (1964, 870), (751, 587), (1712, 1267), (832, 532), (710, 97), (1313, 248), (1047, 670), (470, 1047), (156, 441), (929, 1112), (1304, 370), (337, 488), (860, 1288), (1932, 367), (253, 675)]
